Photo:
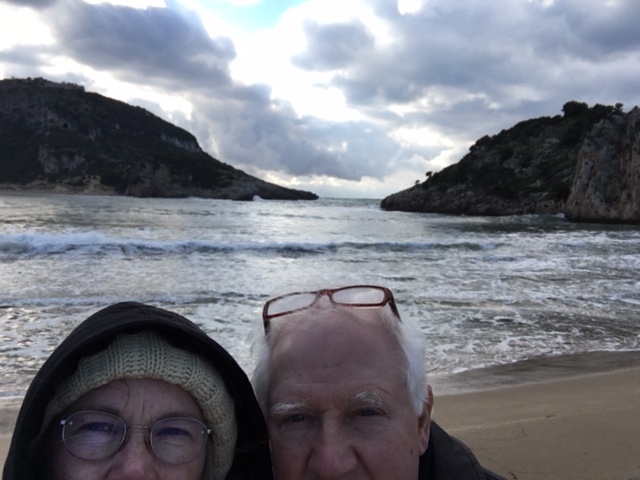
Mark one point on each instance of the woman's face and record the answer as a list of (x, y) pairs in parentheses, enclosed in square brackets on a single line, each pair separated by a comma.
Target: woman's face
[(137, 402)]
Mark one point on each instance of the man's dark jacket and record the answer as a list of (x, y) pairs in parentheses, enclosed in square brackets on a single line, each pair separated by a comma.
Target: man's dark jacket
[(447, 458)]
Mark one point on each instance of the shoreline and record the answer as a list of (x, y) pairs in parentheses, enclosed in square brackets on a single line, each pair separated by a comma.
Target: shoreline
[(548, 418), (533, 370), (41, 187), (585, 426)]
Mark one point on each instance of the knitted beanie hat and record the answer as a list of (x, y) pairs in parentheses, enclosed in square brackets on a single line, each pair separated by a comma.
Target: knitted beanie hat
[(148, 355)]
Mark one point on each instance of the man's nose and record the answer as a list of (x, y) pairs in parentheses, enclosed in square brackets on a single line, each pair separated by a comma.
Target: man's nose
[(135, 460), (332, 454)]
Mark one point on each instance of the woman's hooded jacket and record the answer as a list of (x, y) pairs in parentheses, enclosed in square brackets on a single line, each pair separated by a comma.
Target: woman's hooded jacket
[(252, 458)]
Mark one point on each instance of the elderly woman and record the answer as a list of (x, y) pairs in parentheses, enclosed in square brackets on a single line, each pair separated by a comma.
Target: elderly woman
[(139, 392)]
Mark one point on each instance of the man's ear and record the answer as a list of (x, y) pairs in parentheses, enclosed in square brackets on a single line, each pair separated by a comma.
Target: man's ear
[(424, 421)]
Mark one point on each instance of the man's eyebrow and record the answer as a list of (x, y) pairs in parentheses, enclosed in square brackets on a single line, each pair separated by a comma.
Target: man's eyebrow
[(369, 399), (284, 408)]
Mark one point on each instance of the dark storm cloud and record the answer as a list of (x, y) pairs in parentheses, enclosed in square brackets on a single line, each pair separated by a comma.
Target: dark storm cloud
[(600, 29), (167, 43), (333, 46), (455, 45), (256, 133), (24, 56), (37, 4), (484, 47), (268, 135), (484, 66), (28, 61)]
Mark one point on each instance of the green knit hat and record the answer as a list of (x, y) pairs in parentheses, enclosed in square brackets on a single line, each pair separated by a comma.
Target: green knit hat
[(148, 355)]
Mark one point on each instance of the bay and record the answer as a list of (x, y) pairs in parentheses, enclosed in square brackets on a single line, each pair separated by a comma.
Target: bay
[(486, 291)]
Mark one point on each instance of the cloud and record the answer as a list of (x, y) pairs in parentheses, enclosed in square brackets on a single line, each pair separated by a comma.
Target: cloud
[(23, 57), (267, 135), (486, 65), (166, 44), (339, 91), (39, 4), (333, 46), (600, 29)]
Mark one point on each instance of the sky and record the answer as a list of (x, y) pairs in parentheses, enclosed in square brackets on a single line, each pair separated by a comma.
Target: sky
[(344, 98)]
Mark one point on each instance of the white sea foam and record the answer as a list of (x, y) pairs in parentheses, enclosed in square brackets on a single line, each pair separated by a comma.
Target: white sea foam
[(484, 291)]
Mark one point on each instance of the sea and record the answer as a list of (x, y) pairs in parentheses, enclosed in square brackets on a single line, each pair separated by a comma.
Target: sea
[(499, 299)]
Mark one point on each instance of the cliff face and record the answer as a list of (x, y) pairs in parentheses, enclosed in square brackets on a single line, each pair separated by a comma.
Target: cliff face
[(532, 168), (606, 184), (58, 137)]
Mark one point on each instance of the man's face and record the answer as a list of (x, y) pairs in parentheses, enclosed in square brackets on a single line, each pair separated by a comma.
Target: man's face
[(339, 406)]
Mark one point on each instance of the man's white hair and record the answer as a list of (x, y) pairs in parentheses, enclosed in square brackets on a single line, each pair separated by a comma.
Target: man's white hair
[(408, 338)]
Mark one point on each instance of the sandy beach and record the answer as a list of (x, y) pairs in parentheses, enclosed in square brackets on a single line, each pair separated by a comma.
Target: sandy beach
[(583, 427)]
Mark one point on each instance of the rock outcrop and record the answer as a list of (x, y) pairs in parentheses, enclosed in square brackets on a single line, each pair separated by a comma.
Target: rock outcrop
[(584, 164), (606, 183), (57, 137)]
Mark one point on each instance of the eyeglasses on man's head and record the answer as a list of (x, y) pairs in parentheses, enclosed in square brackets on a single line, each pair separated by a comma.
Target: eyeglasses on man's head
[(356, 296)]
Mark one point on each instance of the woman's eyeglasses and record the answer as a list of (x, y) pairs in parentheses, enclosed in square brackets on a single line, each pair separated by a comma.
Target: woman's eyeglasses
[(92, 435), (357, 296)]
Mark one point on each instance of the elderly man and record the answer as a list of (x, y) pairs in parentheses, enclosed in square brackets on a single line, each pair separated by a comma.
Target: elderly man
[(342, 382)]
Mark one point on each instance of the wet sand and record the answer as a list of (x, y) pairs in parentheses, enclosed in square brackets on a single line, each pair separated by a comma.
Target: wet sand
[(575, 418), (8, 413), (587, 427)]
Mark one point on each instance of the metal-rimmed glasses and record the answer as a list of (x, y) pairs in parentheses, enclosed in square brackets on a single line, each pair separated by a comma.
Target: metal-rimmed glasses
[(357, 296), (94, 435)]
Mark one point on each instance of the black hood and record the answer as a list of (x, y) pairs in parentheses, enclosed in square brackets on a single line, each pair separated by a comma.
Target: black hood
[(251, 460)]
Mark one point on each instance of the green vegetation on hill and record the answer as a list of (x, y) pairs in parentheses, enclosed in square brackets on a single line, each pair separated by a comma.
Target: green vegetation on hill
[(524, 169), (533, 156), (59, 134)]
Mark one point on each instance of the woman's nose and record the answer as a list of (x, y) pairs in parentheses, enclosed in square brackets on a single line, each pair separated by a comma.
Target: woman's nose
[(135, 460)]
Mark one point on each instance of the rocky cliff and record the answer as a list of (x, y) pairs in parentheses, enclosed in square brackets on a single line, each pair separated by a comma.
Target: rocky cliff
[(606, 182), (56, 136), (532, 168)]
